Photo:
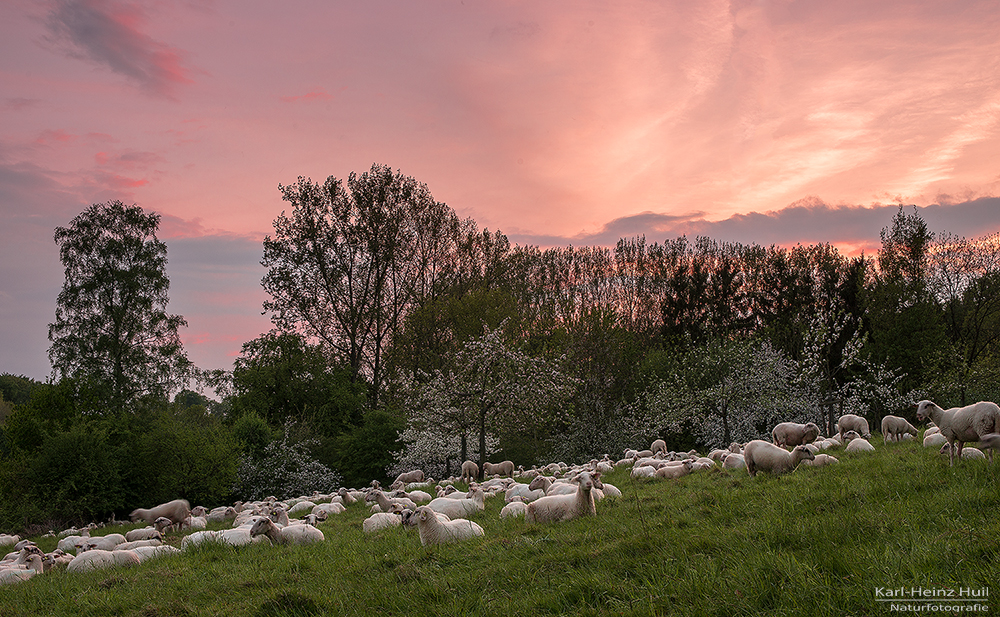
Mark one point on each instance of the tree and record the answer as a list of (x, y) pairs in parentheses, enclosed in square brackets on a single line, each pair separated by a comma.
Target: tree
[(111, 324), (346, 264), (491, 389)]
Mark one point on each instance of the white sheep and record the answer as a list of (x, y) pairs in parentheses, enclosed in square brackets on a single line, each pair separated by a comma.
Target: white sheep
[(301, 507), (435, 531), (852, 422), (470, 471), (458, 508), (565, 507), (821, 460), (149, 552), (962, 424), (860, 445), (679, 470), (990, 441), (646, 471), (99, 559), (894, 427), (505, 468), (293, 534), (968, 452), (104, 543), (516, 507), (734, 461), (145, 533), (658, 446), (934, 440), (382, 520), (386, 503), (176, 510), (128, 546), (31, 564), (326, 509), (6, 540), (764, 456), (794, 434), (416, 475)]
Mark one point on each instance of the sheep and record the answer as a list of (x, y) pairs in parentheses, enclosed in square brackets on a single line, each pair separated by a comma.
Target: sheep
[(145, 533), (148, 552), (128, 546), (458, 508), (385, 503), (32, 563), (962, 424), (100, 559), (435, 531), (221, 514), (763, 456), (990, 441), (105, 543), (195, 522), (176, 510), (851, 422), (646, 471), (301, 507), (894, 427), (734, 461), (565, 507), (294, 534), (860, 445), (934, 440), (6, 540), (675, 471), (470, 471), (515, 508), (821, 460), (658, 446), (794, 434), (382, 520), (505, 468), (967, 453), (416, 475), (326, 509)]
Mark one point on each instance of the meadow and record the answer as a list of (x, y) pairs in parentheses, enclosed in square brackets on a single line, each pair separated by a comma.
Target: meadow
[(820, 541)]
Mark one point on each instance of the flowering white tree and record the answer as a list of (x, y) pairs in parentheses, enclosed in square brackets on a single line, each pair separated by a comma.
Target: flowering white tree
[(491, 389), (726, 391), (286, 469)]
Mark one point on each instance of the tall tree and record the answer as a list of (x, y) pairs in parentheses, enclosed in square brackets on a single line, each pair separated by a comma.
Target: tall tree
[(111, 326), (345, 265)]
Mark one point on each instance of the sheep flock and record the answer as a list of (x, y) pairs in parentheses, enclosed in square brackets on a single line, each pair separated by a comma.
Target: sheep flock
[(440, 512)]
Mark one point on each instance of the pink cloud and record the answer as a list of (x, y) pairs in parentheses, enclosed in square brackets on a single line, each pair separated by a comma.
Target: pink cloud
[(316, 95), (56, 136)]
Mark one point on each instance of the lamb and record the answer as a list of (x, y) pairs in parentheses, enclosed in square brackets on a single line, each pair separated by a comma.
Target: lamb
[(893, 427), (565, 507), (962, 424), (434, 531), (506, 468), (763, 456), (176, 510), (646, 471), (794, 434), (458, 508), (470, 472), (293, 534), (851, 422), (100, 559)]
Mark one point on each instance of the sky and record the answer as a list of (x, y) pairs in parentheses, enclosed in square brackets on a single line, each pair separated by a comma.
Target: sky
[(558, 122)]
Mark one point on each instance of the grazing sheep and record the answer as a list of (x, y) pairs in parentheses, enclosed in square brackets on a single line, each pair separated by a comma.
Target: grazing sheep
[(962, 424), (860, 445), (470, 472), (990, 441), (794, 434), (100, 559), (293, 534), (565, 507), (505, 468), (176, 510), (763, 456), (435, 531), (894, 427), (851, 422)]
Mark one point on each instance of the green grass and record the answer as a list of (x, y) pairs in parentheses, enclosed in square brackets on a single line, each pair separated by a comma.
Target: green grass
[(816, 542)]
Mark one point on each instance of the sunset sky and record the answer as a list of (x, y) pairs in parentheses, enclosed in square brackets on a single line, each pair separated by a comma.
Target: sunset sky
[(558, 122)]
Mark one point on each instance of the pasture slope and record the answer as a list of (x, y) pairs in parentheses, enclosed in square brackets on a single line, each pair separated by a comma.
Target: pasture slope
[(821, 541)]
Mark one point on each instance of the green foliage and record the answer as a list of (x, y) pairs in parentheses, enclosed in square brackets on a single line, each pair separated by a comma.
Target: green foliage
[(17, 389), (111, 322), (366, 452), (286, 469)]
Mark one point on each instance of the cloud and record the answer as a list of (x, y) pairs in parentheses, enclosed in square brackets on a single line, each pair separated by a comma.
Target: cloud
[(318, 94), (19, 103), (110, 35), (853, 228)]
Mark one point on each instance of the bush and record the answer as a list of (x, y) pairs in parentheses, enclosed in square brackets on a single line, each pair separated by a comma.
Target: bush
[(285, 470)]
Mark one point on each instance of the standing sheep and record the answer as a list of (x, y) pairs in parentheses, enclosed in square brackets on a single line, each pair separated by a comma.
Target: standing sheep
[(893, 427), (470, 472), (565, 507), (794, 434), (506, 468), (851, 422), (176, 510), (962, 424), (763, 456)]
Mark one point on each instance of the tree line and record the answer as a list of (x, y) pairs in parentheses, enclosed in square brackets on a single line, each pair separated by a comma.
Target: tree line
[(405, 336)]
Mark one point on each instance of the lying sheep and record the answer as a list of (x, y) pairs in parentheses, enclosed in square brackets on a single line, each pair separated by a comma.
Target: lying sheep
[(675, 471), (459, 508), (851, 422), (962, 424), (382, 520), (176, 510), (968, 452), (934, 440), (146, 533), (435, 531), (734, 461), (293, 534), (860, 445), (515, 508), (100, 559), (794, 434), (894, 427), (565, 507), (821, 460), (415, 475), (104, 543), (763, 456)]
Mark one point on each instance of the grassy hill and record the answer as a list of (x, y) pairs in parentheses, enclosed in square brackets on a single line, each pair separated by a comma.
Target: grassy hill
[(818, 542)]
